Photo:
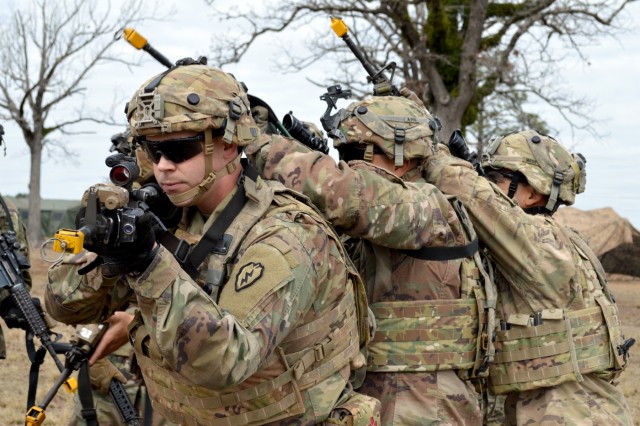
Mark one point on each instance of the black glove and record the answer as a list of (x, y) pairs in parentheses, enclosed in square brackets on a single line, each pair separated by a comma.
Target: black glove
[(13, 316), (118, 257)]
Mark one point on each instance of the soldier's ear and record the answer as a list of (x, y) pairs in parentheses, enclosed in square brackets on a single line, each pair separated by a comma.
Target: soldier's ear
[(533, 198)]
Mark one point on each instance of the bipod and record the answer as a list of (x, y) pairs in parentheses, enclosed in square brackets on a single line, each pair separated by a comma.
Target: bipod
[(77, 356)]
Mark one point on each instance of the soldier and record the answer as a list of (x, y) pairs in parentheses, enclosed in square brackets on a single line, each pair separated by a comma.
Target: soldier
[(426, 346), (262, 320), (10, 221), (560, 345), (364, 199)]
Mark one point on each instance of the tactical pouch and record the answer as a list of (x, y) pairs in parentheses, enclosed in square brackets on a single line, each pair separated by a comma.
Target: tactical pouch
[(358, 410)]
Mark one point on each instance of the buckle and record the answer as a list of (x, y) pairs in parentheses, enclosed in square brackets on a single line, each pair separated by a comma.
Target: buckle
[(298, 370), (235, 110), (318, 352), (182, 251), (398, 135)]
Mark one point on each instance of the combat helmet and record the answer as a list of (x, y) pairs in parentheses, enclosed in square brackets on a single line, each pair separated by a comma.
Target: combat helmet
[(549, 168), (392, 125), (198, 98)]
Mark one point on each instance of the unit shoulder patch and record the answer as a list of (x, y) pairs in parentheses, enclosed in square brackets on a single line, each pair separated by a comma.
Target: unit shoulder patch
[(248, 275)]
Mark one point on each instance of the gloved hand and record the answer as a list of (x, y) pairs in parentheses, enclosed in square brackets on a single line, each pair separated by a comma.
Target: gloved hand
[(13, 316), (102, 372), (122, 257)]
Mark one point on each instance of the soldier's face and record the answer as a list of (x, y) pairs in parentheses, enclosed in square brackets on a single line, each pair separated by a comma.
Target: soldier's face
[(177, 178), (525, 195)]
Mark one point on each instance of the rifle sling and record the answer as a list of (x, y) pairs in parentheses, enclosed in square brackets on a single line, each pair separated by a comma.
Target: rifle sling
[(214, 240), (444, 253), (89, 413)]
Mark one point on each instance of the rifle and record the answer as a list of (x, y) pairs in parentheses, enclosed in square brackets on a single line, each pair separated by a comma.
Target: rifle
[(12, 262), (382, 85), (139, 42), (458, 147), (301, 133), (111, 210), (77, 359)]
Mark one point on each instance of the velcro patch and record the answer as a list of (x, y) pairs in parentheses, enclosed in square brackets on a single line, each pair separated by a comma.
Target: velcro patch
[(260, 271), (248, 275)]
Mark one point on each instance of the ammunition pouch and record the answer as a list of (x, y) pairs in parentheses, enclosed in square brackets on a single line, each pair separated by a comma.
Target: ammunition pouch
[(562, 348), (358, 410)]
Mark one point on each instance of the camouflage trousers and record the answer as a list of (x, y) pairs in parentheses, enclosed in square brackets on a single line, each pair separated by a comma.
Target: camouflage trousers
[(106, 411), (590, 402), (425, 398)]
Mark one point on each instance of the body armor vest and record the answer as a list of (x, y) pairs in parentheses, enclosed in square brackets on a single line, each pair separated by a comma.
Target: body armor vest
[(547, 348), (277, 390), (438, 334)]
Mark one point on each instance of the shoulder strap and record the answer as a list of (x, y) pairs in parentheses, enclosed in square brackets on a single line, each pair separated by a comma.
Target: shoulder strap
[(444, 253), (214, 240)]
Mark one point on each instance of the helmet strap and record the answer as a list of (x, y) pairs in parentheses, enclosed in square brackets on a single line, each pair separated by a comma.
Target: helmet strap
[(552, 203), (513, 186), (194, 194)]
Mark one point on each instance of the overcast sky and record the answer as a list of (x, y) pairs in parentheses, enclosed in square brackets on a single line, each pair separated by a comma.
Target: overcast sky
[(610, 78)]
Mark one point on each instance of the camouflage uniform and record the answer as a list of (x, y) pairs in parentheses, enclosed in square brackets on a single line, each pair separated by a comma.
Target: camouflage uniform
[(426, 339), (558, 348), (275, 340), (21, 235)]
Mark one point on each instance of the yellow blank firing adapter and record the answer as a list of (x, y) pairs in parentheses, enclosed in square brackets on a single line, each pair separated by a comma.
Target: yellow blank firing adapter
[(134, 38), (71, 385), (35, 416), (68, 241), (338, 26)]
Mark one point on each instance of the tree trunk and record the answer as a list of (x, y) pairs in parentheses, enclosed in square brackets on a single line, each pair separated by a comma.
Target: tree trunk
[(35, 224)]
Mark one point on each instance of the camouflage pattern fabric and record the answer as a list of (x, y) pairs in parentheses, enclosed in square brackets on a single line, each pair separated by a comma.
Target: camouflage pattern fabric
[(414, 396), (367, 202), (290, 270), (538, 270), (193, 98), (539, 158), (398, 126), (21, 235), (362, 200)]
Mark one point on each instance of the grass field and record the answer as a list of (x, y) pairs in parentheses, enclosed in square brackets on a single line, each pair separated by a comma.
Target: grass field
[(15, 369)]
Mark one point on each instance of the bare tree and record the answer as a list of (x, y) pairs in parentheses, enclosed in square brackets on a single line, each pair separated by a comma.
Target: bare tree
[(47, 51), (473, 62)]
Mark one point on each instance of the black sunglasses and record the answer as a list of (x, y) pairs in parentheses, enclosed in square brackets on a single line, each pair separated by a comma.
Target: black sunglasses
[(175, 150)]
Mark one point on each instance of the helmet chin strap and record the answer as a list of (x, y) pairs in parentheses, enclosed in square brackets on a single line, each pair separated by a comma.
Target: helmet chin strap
[(194, 195)]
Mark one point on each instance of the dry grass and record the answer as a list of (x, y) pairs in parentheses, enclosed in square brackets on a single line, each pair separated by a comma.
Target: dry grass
[(15, 369)]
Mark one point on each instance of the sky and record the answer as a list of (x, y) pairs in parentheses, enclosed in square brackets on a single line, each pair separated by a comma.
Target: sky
[(609, 78)]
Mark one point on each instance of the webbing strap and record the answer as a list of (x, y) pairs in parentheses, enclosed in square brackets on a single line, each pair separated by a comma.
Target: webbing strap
[(37, 358), (432, 335), (191, 404), (444, 253), (578, 318), (214, 234), (389, 360), (425, 308), (550, 350), (584, 366), (89, 413), (323, 322)]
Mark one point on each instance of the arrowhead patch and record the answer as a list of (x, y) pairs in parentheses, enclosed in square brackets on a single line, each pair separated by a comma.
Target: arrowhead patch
[(248, 275)]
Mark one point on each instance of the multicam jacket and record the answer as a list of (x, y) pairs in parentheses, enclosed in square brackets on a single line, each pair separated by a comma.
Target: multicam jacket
[(429, 314), (7, 216), (275, 348), (558, 319)]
